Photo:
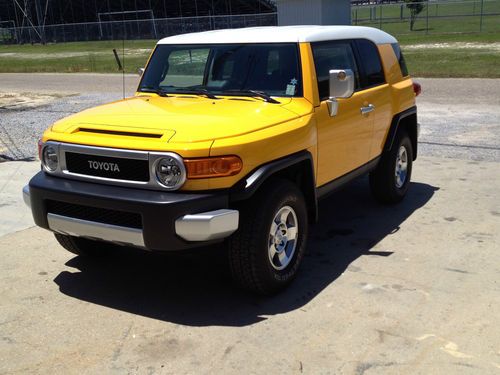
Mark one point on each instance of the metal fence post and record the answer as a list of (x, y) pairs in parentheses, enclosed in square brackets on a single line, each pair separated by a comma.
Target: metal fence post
[(481, 17), (380, 20), (427, 19)]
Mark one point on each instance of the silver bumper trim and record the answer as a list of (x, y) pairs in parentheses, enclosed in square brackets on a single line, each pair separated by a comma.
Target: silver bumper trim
[(26, 196), (92, 229), (207, 226)]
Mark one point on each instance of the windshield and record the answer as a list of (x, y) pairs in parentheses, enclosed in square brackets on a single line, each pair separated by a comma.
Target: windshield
[(225, 69)]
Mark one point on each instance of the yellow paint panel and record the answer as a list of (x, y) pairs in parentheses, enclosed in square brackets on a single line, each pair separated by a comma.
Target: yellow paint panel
[(256, 131), (310, 81)]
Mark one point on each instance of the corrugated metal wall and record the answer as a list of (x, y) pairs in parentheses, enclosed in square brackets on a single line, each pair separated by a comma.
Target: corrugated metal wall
[(314, 12)]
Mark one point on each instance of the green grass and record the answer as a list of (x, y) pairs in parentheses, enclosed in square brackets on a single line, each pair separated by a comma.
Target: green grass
[(425, 61), (74, 57), (451, 17), (463, 25), (442, 23), (452, 63)]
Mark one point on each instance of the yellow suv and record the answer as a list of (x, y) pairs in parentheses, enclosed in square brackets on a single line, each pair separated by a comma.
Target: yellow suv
[(233, 136)]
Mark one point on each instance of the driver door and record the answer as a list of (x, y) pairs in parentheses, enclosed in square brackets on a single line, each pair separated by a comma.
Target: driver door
[(344, 140)]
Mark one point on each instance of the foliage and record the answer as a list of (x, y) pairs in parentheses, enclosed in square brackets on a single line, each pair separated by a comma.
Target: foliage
[(415, 7)]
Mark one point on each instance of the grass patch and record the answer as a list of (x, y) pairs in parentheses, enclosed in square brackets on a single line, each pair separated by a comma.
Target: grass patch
[(87, 57), (449, 17), (453, 60), (450, 63)]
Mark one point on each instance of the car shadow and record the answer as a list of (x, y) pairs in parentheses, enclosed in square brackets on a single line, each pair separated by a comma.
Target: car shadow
[(196, 289)]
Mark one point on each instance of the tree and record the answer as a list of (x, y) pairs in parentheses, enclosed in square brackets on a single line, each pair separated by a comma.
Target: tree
[(415, 7)]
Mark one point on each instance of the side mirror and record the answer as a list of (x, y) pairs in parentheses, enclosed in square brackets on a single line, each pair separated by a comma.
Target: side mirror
[(341, 86), (140, 71)]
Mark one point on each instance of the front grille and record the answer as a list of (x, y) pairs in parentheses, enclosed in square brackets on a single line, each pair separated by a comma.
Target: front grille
[(99, 215), (108, 167)]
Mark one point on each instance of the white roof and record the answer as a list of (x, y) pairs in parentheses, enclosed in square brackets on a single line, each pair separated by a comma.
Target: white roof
[(281, 34)]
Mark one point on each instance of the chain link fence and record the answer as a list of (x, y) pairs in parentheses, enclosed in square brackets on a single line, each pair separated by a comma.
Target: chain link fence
[(129, 30), (462, 16), (434, 16)]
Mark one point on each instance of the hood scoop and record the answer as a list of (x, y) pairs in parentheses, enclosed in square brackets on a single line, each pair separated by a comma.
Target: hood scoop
[(120, 133)]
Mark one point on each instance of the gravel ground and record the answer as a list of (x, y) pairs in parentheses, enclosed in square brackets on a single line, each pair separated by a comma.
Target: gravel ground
[(460, 118), (21, 128)]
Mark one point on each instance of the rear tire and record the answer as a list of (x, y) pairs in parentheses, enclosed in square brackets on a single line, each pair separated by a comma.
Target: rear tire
[(80, 246), (390, 181), (266, 251)]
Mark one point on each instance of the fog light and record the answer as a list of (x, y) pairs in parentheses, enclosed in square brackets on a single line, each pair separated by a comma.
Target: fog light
[(170, 172), (50, 160)]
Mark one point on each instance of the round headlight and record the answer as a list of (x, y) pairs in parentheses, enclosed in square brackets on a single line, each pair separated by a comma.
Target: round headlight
[(170, 172), (50, 159)]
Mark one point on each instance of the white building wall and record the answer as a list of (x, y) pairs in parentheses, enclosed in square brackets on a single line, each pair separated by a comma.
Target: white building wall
[(314, 12)]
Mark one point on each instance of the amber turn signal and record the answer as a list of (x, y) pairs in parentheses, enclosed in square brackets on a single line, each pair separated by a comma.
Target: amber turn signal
[(221, 166)]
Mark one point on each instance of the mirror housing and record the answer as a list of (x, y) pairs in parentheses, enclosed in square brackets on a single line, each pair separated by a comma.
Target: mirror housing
[(140, 71), (341, 86)]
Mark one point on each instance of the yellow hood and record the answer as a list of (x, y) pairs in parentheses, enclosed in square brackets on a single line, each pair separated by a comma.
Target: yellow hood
[(181, 119)]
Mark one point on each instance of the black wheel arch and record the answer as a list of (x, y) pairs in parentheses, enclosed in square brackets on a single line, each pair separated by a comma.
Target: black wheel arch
[(406, 120), (298, 168)]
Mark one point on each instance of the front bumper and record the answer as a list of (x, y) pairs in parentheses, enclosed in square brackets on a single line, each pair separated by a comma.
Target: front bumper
[(168, 221)]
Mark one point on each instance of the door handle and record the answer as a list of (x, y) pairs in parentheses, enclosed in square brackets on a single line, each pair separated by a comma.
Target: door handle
[(369, 108)]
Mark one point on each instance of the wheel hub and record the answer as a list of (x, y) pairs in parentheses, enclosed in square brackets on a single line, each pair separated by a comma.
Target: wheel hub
[(283, 237), (280, 238), (401, 169)]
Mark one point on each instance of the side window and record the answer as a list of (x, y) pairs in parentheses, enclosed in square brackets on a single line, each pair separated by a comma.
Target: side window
[(332, 55), (401, 59), (372, 73)]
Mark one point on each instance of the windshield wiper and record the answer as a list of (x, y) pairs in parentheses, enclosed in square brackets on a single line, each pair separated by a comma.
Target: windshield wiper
[(201, 92), (259, 94), (160, 92)]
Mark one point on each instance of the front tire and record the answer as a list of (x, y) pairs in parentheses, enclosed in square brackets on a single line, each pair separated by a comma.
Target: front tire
[(80, 246), (266, 251), (389, 183)]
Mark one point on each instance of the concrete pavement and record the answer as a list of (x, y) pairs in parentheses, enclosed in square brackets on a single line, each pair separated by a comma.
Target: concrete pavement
[(13, 213), (409, 289)]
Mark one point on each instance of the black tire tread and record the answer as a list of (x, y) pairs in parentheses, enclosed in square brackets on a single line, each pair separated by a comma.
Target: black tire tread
[(381, 179), (78, 246), (244, 245)]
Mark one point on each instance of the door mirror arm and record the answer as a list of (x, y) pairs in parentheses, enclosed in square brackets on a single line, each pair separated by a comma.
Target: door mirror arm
[(341, 86), (333, 106)]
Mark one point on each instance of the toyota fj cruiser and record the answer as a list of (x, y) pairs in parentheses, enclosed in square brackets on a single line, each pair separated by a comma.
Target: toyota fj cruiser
[(233, 136)]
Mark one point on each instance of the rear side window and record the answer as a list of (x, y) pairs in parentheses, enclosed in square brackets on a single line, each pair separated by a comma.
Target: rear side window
[(401, 59), (372, 73), (332, 55)]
